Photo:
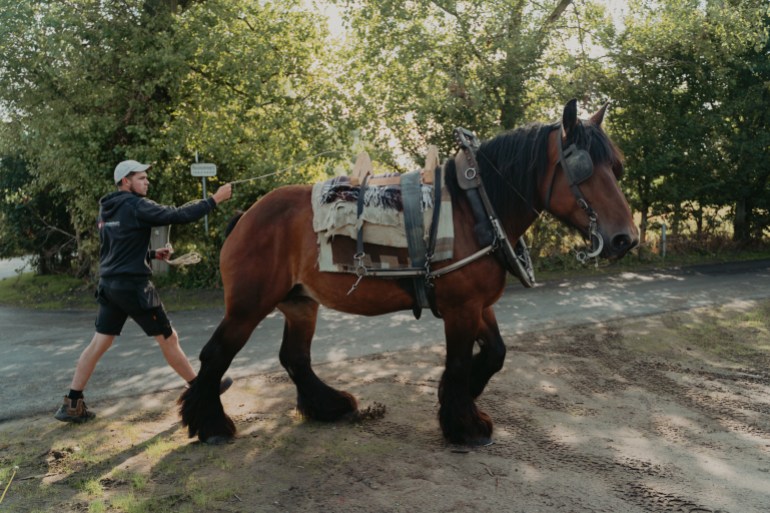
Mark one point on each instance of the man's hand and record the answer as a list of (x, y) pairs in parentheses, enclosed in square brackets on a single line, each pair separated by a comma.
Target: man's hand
[(163, 253), (224, 193)]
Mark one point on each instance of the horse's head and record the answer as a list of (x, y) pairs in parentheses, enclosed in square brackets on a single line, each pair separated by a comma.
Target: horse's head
[(581, 184)]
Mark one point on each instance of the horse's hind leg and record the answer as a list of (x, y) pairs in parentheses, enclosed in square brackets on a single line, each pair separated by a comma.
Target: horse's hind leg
[(315, 399), (491, 355), (461, 420), (200, 406)]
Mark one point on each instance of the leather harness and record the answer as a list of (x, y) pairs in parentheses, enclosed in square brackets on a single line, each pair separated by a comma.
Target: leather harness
[(488, 230)]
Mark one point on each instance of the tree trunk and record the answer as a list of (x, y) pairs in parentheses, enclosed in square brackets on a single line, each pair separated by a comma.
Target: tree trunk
[(742, 221), (644, 225)]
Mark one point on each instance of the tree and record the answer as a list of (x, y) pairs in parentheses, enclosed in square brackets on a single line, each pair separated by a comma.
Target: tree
[(419, 68), (85, 84), (746, 113), (33, 225), (675, 73)]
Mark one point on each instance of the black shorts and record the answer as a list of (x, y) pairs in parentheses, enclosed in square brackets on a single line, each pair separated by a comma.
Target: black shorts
[(136, 298)]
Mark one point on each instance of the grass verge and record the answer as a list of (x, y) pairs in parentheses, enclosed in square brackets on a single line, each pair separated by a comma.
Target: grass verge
[(59, 292)]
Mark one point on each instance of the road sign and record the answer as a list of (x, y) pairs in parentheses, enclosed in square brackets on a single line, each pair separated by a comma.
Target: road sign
[(203, 169)]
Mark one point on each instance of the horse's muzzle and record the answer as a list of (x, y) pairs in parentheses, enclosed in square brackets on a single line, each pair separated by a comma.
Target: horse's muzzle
[(619, 245)]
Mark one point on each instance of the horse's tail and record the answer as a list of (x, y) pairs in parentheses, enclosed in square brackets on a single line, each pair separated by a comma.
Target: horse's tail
[(233, 221)]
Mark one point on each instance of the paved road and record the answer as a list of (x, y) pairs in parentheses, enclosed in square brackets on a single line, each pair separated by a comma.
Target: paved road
[(11, 266), (38, 350)]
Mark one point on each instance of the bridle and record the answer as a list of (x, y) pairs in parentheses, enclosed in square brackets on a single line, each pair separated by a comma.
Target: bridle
[(578, 167)]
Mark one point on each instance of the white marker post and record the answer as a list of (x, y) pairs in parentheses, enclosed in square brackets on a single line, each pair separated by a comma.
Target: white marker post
[(203, 170)]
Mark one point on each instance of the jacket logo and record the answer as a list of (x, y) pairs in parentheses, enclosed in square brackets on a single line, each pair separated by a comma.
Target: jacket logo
[(108, 224)]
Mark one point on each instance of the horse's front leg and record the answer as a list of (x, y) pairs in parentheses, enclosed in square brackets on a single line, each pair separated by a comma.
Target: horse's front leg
[(491, 355), (461, 421)]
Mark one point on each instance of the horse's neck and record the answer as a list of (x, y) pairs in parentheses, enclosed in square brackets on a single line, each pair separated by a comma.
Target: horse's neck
[(514, 225), (518, 225)]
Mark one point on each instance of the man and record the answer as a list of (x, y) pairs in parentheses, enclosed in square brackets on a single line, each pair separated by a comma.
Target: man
[(126, 218)]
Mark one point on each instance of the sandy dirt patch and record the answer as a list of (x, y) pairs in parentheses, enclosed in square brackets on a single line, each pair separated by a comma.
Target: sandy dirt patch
[(663, 413)]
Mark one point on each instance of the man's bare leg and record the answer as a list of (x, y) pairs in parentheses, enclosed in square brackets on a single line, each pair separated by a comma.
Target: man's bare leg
[(90, 356), (175, 356)]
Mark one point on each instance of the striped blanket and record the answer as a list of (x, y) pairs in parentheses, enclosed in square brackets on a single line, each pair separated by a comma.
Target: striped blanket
[(335, 221)]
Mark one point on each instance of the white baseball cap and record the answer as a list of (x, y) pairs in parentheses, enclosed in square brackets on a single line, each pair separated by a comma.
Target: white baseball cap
[(127, 167)]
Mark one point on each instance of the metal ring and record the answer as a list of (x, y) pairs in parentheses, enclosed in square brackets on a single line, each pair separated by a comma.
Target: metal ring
[(596, 251), (470, 173)]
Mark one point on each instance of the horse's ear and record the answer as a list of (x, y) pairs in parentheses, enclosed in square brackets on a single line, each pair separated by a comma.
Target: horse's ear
[(569, 119), (598, 116)]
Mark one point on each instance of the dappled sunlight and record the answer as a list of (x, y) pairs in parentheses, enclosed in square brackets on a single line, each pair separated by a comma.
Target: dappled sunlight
[(68, 349), (647, 277), (576, 412), (156, 377)]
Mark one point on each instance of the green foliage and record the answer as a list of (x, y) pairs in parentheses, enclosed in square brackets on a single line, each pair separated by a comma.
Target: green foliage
[(33, 223), (417, 69), (260, 89), (689, 80), (86, 84)]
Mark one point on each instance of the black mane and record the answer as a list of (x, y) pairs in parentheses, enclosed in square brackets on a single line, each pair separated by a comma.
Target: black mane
[(513, 162)]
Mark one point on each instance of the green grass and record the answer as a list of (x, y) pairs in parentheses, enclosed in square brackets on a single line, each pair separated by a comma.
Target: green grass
[(567, 266), (59, 292), (91, 487), (53, 292), (97, 506), (738, 337)]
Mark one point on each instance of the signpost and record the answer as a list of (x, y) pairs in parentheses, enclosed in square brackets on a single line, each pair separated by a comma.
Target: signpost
[(203, 170)]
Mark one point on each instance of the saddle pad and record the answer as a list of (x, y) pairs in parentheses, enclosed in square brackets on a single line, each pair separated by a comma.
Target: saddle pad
[(334, 205)]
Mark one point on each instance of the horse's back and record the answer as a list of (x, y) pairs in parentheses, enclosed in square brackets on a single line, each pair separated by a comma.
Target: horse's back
[(273, 249), (265, 246), (277, 212)]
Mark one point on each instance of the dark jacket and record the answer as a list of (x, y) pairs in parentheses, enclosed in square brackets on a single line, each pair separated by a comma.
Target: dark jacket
[(125, 222)]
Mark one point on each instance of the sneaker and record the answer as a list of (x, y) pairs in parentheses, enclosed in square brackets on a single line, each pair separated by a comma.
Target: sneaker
[(224, 385), (78, 413)]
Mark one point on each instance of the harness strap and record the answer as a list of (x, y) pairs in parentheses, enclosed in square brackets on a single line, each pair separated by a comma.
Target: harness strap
[(437, 184), (360, 254), (411, 198), (461, 263), (430, 289), (488, 228), (597, 243)]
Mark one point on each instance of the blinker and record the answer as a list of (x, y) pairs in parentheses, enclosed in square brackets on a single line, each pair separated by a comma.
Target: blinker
[(578, 165)]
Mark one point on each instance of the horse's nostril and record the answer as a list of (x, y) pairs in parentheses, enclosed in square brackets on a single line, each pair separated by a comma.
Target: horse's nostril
[(621, 242)]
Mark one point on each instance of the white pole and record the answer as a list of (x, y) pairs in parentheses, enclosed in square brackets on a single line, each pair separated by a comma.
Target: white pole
[(663, 239), (203, 182)]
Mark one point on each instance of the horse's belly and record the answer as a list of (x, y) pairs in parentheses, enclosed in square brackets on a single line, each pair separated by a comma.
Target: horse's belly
[(372, 296)]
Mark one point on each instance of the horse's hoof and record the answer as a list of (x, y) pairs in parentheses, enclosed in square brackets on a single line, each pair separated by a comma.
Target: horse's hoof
[(353, 416), (481, 442), (218, 440)]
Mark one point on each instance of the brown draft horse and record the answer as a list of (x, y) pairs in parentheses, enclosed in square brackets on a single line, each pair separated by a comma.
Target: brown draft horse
[(270, 261)]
